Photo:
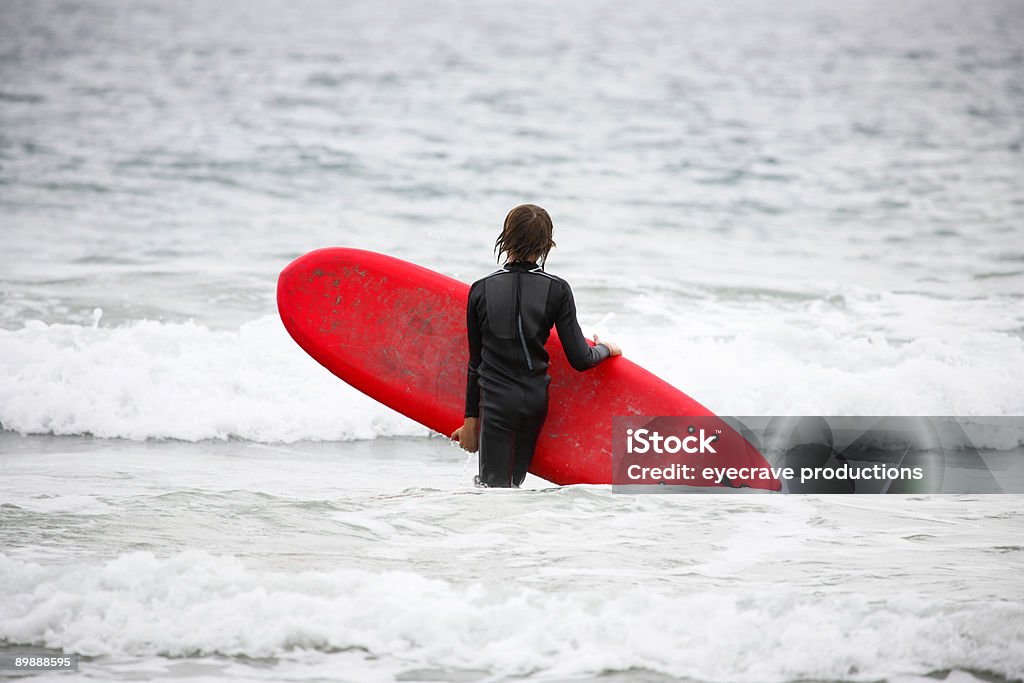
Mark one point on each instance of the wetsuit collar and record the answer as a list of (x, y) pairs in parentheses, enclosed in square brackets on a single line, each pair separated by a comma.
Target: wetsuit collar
[(520, 265)]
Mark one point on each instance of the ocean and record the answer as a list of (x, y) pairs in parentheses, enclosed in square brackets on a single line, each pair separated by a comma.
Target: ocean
[(807, 208)]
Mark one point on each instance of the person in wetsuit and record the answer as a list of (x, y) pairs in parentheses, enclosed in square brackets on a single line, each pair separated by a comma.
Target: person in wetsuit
[(508, 320)]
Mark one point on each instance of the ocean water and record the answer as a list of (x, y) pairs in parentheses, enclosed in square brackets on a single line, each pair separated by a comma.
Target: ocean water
[(782, 209)]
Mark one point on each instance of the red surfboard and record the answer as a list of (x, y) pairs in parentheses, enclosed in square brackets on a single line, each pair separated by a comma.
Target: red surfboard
[(397, 332)]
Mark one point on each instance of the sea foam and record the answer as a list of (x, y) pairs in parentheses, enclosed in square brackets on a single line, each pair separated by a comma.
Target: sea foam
[(181, 381), (154, 380), (193, 603)]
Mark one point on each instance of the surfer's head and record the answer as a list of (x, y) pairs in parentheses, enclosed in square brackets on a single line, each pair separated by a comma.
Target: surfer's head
[(526, 235)]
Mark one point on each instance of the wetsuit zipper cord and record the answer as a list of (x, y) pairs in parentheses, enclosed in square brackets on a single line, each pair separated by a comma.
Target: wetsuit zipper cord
[(519, 327)]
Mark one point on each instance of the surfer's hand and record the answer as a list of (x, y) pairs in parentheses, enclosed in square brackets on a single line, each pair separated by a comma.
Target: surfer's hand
[(468, 435), (613, 348)]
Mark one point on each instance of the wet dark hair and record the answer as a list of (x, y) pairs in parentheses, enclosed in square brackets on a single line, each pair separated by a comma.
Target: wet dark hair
[(527, 232)]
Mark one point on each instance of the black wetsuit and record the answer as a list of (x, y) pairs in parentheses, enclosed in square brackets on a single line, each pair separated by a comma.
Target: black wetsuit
[(509, 318)]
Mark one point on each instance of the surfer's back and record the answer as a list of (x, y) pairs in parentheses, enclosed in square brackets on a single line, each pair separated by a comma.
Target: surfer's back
[(513, 311)]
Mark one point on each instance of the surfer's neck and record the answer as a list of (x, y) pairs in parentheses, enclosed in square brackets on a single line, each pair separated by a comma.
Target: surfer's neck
[(520, 265)]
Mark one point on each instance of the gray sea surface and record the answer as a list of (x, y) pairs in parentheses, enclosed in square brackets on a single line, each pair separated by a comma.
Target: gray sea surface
[(801, 208)]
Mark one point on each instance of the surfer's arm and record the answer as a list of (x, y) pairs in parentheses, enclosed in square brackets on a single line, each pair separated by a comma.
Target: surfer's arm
[(472, 370), (582, 356)]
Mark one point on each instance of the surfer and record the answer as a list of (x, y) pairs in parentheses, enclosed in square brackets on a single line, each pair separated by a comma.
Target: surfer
[(508, 319)]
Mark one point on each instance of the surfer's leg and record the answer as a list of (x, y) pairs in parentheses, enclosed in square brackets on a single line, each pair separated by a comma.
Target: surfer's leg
[(530, 425), (525, 444), (497, 448)]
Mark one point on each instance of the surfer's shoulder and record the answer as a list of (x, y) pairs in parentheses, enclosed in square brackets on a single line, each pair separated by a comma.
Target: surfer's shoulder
[(476, 287), (500, 271), (555, 278)]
